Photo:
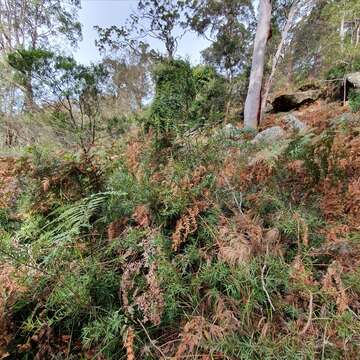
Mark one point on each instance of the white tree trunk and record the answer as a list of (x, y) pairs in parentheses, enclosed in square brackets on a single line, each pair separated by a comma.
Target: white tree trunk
[(276, 58), (342, 31), (253, 99)]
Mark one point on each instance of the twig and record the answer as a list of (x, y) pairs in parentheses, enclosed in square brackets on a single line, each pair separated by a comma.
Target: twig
[(152, 341), (264, 288), (239, 205), (323, 345), (308, 323)]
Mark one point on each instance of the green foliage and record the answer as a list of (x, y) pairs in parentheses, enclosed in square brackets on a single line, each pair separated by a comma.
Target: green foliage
[(76, 89), (105, 333), (209, 103), (354, 100), (339, 71), (174, 93), (250, 255), (29, 61), (185, 98)]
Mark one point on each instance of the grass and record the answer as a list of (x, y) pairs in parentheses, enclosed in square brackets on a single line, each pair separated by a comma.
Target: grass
[(255, 275)]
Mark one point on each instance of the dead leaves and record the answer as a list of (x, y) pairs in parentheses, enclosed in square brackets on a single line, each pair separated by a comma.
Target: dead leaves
[(151, 302), (141, 216), (234, 247), (333, 286), (10, 289), (129, 344), (116, 228), (243, 237), (187, 224), (194, 332)]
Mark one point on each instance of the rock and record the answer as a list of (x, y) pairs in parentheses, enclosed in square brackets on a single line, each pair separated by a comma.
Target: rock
[(353, 79), (268, 108), (229, 130), (234, 133), (294, 123), (269, 135), (291, 101)]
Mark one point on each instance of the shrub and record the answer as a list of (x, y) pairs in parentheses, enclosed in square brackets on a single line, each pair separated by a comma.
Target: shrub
[(174, 92), (339, 71), (354, 100), (209, 102)]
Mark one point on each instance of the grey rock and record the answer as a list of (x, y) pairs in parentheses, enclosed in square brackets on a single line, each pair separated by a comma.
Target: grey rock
[(268, 108), (232, 132), (354, 79), (269, 135), (229, 129), (294, 123), (291, 101)]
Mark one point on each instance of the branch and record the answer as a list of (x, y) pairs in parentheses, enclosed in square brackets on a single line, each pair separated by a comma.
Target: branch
[(264, 288), (308, 323)]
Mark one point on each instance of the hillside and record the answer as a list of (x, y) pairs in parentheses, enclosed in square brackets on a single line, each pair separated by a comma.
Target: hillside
[(180, 179), (219, 247)]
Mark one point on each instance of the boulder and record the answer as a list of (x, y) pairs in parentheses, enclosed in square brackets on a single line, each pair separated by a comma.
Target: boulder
[(269, 135), (229, 130), (294, 123), (291, 101), (353, 79)]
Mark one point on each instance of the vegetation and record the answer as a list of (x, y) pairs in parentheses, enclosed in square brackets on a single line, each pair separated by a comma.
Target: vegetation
[(140, 218), (354, 100)]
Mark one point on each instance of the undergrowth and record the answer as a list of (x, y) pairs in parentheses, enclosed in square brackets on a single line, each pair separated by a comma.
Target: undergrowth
[(211, 248)]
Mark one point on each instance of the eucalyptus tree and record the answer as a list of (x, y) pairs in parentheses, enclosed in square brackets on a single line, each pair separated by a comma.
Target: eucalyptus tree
[(72, 92), (35, 24), (252, 108), (229, 27), (130, 81), (157, 20)]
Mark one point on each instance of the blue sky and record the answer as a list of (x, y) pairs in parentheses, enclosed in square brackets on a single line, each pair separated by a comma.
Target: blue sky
[(114, 12)]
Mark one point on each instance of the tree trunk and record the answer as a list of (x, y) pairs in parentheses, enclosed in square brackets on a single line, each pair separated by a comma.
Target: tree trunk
[(29, 96), (253, 99), (228, 98), (342, 31), (276, 58)]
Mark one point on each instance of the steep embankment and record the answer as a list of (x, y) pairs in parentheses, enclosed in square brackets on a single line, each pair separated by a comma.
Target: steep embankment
[(218, 247)]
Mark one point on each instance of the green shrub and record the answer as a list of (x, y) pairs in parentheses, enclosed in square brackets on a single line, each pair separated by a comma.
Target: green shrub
[(354, 100), (209, 103), (336, 72), (339, 71), (174, 93)]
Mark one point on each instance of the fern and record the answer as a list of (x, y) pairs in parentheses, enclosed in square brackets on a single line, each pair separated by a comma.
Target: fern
[(71, 221)]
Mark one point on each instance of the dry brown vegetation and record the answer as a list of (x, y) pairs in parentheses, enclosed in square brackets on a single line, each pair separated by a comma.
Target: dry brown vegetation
[(224, 252)]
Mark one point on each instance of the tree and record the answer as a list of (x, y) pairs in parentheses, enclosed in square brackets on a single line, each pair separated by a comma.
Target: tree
[(75, 90), (293, 7), (343, 18), (305, 53), (153, 19), (29, 24), (253, 99), (130, 83), (228, 25), (323, 41)]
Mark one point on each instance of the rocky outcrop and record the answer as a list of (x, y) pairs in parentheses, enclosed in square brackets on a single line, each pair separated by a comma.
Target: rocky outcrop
[(354, 79), (293, 123), (290, 101), (269, 135)]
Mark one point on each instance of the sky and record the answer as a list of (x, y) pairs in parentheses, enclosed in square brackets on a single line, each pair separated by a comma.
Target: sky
[(114, 12)]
